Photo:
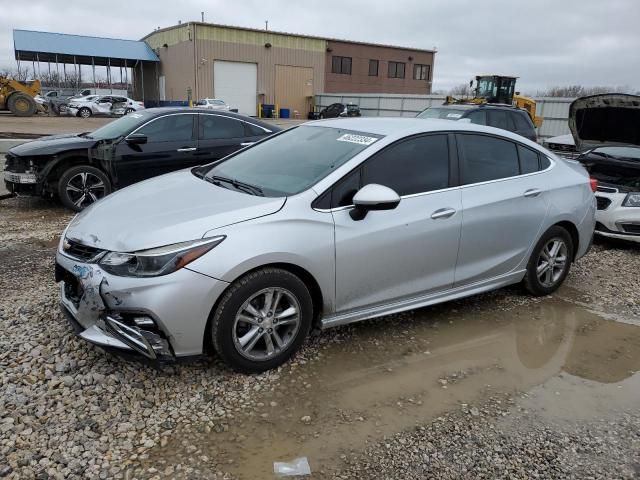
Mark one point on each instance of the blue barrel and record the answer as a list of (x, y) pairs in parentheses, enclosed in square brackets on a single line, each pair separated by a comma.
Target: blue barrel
[(285, 113)]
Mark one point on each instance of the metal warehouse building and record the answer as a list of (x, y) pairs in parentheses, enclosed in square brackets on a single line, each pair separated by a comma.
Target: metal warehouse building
[(246, 67)]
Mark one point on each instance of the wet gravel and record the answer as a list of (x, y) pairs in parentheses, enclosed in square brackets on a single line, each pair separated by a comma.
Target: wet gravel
[(498, 439), (69, 410)]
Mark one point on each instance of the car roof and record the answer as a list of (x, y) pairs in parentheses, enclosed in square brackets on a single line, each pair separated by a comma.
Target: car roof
[(157, 111), (396, 127), (468, 106)]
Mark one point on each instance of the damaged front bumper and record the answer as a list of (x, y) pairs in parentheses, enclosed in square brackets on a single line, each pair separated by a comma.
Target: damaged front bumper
[(160, 318)]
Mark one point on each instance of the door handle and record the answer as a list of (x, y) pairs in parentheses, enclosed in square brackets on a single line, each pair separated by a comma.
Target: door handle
[(532, 192), (187, 149), (443, 213), (246, 144)]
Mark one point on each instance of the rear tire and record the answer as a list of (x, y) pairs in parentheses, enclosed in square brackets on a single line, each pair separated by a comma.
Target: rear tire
[(22, 105), (261, 320), (85, 112), (550, 262), (81, 186)]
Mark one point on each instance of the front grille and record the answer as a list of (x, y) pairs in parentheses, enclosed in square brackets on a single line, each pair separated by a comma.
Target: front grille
[(632, 228), (79, 251), (603, 203), (562, 147)]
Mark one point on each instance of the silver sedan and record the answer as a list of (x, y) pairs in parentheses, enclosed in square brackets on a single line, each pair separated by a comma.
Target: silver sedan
[(324, 224)]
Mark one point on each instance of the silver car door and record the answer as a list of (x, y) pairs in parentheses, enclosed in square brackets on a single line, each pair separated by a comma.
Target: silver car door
[(404, 252), (503, 210)]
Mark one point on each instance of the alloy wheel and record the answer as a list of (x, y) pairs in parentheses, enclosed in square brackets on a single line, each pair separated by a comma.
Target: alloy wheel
[(85, 188), (266, 324), (552, 262)]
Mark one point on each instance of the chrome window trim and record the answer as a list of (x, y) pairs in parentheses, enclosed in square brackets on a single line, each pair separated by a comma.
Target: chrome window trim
[(237, 119), (402, 197), (420, 194), (158, 118)]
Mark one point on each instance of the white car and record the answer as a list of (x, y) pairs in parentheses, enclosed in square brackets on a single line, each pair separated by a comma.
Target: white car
[(606, 133), (85, 107), (562, 145), (213, 104)]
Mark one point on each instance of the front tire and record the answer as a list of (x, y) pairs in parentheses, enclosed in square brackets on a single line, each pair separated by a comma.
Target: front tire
[(550, 262), (79, 187), (262, 320), (84, 112)]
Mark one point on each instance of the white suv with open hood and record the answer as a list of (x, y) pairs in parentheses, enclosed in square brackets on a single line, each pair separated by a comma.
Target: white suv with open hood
[(606, 129)]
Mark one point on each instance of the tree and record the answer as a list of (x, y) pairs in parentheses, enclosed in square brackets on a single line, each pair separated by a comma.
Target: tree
[(462, 90), (573, 91)]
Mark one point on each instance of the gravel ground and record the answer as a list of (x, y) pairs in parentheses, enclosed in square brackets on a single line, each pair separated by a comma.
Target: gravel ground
[(498, 440), (68, 410)]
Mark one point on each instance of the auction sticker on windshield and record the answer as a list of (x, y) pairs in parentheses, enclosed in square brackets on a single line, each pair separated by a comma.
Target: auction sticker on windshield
[(454, 115), (359, 139)]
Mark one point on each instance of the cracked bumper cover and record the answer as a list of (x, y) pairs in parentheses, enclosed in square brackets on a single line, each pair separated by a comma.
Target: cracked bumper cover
[(179, 305)]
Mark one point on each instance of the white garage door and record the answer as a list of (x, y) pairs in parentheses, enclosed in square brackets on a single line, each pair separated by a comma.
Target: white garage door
[(237, 84)]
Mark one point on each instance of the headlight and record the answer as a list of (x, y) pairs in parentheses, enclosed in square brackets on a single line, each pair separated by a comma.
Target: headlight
[(632, 200), (157, 261)]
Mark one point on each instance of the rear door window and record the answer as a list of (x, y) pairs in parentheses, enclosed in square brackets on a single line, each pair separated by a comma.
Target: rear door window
[(501, 119), (216, 127), (487, 158), (415, 165)]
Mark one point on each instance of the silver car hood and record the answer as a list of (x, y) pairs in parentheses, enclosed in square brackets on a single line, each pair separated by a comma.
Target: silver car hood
[(172, 208), (607, 119)]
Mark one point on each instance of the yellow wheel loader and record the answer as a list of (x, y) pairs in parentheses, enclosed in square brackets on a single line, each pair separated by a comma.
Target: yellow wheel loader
[(499, 89), (19, 97)]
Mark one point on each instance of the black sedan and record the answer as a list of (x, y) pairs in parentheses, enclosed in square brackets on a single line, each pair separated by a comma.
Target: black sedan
[(340, 110), (81, 169)]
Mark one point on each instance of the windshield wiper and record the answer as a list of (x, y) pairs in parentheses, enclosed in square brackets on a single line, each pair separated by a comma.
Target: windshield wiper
[(238, 185)]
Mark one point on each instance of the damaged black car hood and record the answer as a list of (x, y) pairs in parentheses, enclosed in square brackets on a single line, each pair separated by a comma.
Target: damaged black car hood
[(52, 145), (172, 208), (606, 119)]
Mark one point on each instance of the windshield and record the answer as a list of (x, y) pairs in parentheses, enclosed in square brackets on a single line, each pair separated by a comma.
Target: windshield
[(445, 113), (293, 161), (120, 127)]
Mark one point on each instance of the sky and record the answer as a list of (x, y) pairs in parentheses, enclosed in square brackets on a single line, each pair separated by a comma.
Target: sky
[(544, 42)]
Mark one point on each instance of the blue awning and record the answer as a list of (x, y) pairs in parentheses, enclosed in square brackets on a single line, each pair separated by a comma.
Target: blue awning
[(83, 50)]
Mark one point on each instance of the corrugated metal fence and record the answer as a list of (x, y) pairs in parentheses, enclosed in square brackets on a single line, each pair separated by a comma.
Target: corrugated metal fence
[(555, 111)]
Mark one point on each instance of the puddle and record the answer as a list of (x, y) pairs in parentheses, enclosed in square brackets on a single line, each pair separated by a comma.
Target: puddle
[(387, 376)]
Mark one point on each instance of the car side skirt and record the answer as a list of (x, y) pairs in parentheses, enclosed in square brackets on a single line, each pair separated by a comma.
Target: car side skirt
[(367, 313)]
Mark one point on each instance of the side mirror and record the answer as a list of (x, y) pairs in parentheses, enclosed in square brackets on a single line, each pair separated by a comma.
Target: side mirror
[(373, 197), (136, 139)]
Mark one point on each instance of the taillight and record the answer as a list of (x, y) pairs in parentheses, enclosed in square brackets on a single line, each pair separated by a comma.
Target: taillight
[(594, 184)]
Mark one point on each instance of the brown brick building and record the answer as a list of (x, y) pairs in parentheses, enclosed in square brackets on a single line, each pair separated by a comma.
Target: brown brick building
[(247, 67), (353, 67)]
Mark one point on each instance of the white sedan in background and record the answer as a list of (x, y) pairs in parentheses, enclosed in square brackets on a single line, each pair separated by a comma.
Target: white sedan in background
[(213, 104), (85, 107)]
